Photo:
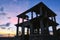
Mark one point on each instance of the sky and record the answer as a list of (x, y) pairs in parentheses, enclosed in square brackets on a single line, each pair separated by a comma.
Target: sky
[(9, 9)]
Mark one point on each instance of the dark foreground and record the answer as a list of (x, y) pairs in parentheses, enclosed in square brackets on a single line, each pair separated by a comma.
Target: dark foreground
[(30, 38)]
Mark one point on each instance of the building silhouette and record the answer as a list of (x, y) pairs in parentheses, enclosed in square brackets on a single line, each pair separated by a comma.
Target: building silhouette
[(41, 19)]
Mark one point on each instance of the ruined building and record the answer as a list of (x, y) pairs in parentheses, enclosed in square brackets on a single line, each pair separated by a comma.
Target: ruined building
[(38, 20)]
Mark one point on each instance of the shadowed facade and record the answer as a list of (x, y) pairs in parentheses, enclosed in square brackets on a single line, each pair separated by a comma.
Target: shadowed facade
[(41, 19)]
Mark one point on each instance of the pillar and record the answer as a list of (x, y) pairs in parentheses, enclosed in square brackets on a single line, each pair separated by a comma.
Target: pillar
[(23, 30), (31, 27), (31, 32), (36, 15), (41, 21), (31, 14), (41, 24), (54, 18), (46, 26), (27, 31), (17, 28), (54, 27), (41, 11), (47, 30), (38, 30), (42, 27)]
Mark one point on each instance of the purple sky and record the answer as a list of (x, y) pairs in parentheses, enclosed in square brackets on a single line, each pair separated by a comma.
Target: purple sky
[(14, 7)]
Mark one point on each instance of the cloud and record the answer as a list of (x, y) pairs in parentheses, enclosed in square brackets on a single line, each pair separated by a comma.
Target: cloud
[(5, 25), (2, 11), (3, 14), (9, 17), (2, 27)]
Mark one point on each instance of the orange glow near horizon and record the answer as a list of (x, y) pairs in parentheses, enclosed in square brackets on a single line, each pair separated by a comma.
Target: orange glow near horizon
[(7, 33)]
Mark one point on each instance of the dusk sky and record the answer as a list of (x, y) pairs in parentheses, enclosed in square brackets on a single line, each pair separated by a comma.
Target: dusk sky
[(9, 9)]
